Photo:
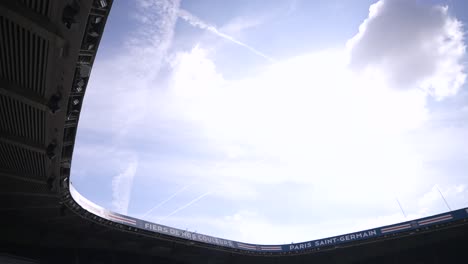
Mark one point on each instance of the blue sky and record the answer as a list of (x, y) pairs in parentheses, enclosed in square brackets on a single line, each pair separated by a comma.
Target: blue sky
[(277, 121)]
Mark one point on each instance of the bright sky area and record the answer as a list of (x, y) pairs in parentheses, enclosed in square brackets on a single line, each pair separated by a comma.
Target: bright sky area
[(277, 121)]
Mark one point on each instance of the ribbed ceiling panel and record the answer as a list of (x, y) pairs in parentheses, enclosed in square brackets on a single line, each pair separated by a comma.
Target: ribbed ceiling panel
[(10, 185), (22, 161), (39, 6), (21, 120), (26, 201), (23, 56)]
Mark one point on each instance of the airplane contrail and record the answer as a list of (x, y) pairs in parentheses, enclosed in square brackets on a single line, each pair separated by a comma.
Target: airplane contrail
[(185, 206), (197, 22), (167, 200)]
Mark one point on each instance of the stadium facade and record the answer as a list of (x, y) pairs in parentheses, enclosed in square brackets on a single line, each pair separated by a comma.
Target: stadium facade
[(47, 49)]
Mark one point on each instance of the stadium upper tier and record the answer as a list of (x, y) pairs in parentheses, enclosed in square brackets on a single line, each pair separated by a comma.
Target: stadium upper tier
[(101, 215), (47, 49)]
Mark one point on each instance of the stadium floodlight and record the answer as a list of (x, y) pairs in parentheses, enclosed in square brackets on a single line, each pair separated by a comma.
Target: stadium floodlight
[(97, 20), (65, 183), (73, 115), (80, 83), (102, 3), (79, 89), (85, 70), (90, 46), (76, 102), (93, 34)]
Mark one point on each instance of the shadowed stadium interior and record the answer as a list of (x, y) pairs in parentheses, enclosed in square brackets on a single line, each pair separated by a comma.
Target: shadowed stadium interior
[(47, 49)]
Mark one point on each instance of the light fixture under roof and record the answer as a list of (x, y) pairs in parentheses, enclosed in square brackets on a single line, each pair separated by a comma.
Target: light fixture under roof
[(102, 3), (80, 83), (97, 20), (93, 34), (90, 46)]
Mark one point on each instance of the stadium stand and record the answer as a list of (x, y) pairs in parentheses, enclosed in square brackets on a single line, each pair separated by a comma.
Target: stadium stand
[(47, 49)]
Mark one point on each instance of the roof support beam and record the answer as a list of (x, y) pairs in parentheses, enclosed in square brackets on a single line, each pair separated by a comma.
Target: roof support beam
[(28, 194), (23, 95), (20, 178), (30, 208), (21, 142), (15, 11)]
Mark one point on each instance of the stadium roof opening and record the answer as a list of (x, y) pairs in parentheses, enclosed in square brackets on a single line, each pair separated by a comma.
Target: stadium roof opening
[(273, 122)]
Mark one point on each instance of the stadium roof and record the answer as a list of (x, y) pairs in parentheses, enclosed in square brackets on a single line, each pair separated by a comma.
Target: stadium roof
[(47, 49)]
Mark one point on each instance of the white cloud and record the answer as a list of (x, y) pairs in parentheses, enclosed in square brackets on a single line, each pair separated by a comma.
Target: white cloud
[(239, 25), (153, 38), (290, 119), (190, 203), (255, 227), (433, 201), (311, 120), (413, 44), (122, 187), (197, 22), (121, 88), (158, 205)]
